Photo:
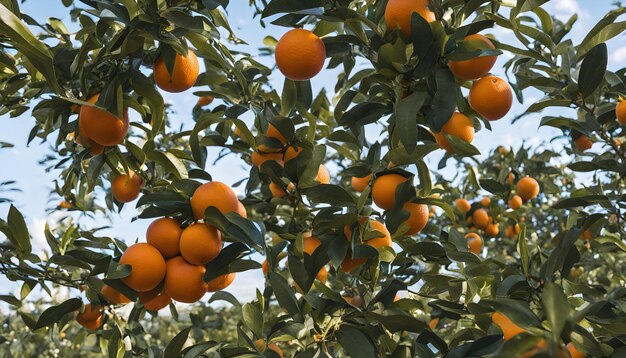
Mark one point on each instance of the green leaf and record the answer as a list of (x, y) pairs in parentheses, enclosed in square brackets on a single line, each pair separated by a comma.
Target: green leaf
[(355, 342), (407, 110), (363, 113), (522, 249), (235, 227), (603, 31), (330, 194), (291, 6), (556, 307), (284, 294), (54, 314), (28, 45), (145, 88), (19, 231), (225, 296), (492, 186), (176, 344), (444, 101), (592, 69), (253, 318)]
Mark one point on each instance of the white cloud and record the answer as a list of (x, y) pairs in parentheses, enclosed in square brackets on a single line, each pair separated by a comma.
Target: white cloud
[(36, 228), (566, 8), (619, 55)]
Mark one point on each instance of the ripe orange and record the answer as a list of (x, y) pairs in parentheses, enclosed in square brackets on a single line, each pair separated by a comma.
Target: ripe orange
[(586, 235), (114, 296), (356, 301), (322, 275), (492, 230), (323, 176), (300, 54), (485, 201), (277, 191), (460, 126), (241, 210), (462, 205), (65, 204), (310, 244), (215, 194), (574, 352), (183, 75), (265, 266), (291, 153), (384, 190), (183, 281), (510, 178), (474, 242), (433, 323), (100, 126), (620, 111), (359, 184), (509, 231), (398, 14), (509, 329), (94, 148), (480, 218), (515, 202), (258, 158), (148, 267), (154, 300), (273, 132), (350, 263), (204, 101), (527, 188), (91, 317), (164, 234), (476, 67), (126, 188), (418, 217), (583, 143), (220, 282), (491, 97), (200, 243)]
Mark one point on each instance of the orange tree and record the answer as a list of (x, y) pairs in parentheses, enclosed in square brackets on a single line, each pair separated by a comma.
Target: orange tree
[(513, 255)]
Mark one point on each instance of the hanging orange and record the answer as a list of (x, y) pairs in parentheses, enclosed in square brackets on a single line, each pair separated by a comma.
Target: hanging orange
[(300, 54), (200, 243), (147, 264), (476, 67), (102, 127), (398, 14), (491, 97), (183, 281), (384, 190), (183, 75), (215, 194), (460, 126)]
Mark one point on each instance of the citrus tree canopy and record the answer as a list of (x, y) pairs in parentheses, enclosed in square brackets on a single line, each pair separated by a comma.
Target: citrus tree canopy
[(374, 213)]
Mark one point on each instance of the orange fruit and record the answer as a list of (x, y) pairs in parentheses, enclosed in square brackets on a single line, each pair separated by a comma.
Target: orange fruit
[(291, 153), (94, 148), (102, 127), (183, 281), (583, 143), (265, 266), (148, 267), (322, 275), (476, 67), (460, 126), (574, 352), (154, 300), (300, 54), (65, 204), (349, 263), (215, 194), (241, 210), (359, 184), (480, 218), (418, 217), (276, 349), (492, 230), (398, 14), (323, 176), (310, 244), (91, 317), (620, 111), (509, 329), (183, 75), (164, 234), (527, 188), (273, 132), (510, 178), (258, 158), (384, 190), (515, 202), (509, 231), (200, 243), (586, 235), (462, 205), (433, 323), (204, 101), (114, 296), (277, 191), (126, 188), (220, 282), (491, 97), (474, 242), (485, 201), (356, 301)]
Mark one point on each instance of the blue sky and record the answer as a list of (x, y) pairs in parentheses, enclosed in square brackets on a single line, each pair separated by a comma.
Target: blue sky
[(21, 162)]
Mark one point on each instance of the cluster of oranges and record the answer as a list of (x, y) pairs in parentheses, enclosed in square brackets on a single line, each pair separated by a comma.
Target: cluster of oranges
[(170, 265), (510, 330), (478, 217)]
